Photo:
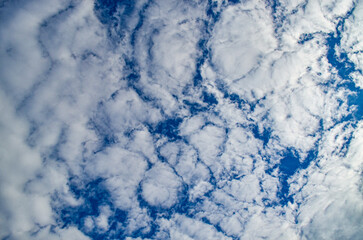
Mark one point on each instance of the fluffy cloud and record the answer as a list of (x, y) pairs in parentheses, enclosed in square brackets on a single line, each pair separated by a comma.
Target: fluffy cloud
[(161, 186), (180, 120)]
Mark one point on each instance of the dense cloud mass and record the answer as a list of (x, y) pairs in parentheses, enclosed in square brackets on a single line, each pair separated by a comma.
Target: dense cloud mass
[(198, 119)]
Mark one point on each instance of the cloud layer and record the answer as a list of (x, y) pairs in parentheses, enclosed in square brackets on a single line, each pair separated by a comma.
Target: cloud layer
[(181, 119)]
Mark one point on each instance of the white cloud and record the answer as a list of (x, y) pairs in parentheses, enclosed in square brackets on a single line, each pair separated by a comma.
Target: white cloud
[(274, 227), (21, 20), (191, 125), (209, 142), (143, 143), (240, 146), (19, 163), (102, 219), (71, 115), (122, 171), (138, 219), (161, 186), (89, 223), (171, 152), (181, 227), (166, 50), (235, 54), (330, 197), (246, 189), (35, 113), (352, 42), (71, 233), (198, 191), (127, 111)]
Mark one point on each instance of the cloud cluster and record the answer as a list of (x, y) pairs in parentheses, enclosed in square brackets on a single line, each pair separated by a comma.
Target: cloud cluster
[(181, 119)]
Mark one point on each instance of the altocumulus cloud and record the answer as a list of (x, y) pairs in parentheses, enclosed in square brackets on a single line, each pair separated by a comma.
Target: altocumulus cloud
[(181, 119)]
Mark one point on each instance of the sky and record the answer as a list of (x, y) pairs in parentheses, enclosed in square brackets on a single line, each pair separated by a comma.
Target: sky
[(181, 119)]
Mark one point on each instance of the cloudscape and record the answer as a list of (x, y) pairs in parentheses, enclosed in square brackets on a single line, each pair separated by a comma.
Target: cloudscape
[(181, 119)]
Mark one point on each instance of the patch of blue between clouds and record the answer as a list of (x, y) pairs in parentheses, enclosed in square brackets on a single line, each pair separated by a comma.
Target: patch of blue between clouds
[(213, 16), (289, 164), (168, 128), (106, 11), (278, 18), (305, 38), (194, 107), (94, 195), (209, 98), (264, 136), (133, 78), (345, 68)]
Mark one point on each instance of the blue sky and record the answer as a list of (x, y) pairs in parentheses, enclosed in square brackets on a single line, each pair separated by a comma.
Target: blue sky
[(171, 119)]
